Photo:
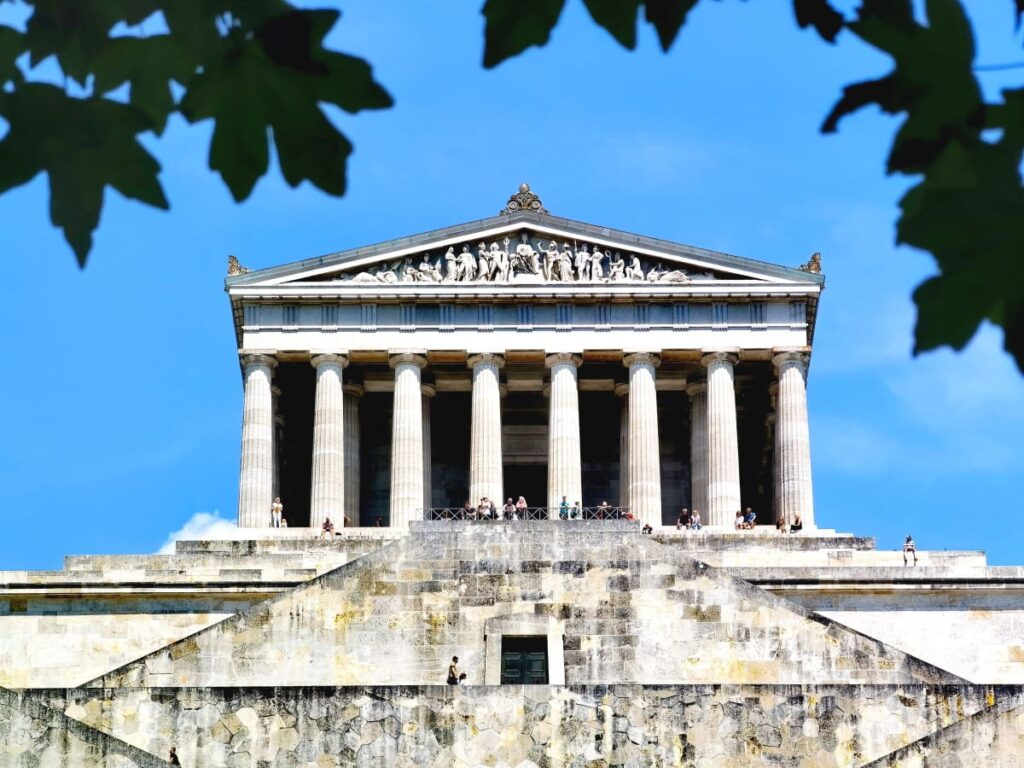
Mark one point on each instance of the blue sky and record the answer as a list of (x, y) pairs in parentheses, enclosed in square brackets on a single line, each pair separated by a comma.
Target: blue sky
[(120, 385)]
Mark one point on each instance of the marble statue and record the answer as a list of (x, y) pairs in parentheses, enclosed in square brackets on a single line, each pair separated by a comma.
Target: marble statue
[(616, 268), (597, 265), (451, 264), (634, 271), (582, 263), (564, 271), (497, 262), (467, 265)]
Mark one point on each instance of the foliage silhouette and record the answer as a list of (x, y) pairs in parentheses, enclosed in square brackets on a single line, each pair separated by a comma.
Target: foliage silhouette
[(259, 69)]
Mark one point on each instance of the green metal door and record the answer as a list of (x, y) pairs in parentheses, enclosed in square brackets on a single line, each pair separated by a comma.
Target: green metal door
[(524, 661)]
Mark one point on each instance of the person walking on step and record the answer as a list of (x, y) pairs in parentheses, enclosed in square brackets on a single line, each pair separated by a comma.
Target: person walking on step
[(454, 676), (909, 547), (173, 759)]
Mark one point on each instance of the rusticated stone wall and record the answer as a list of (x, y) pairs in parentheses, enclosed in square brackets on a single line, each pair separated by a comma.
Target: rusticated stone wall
[(725, 726), (32, 735)]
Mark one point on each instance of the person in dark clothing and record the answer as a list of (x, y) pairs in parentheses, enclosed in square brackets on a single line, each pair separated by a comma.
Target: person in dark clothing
[(173, 759)]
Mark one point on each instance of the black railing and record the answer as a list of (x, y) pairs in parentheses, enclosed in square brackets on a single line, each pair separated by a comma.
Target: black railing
[(528, 513)]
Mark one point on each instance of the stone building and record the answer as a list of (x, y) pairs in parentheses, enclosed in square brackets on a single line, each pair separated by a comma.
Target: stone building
[(521, 355)]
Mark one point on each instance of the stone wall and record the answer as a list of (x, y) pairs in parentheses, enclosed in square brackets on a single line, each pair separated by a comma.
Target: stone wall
[(623, 608), (723, 726), (63, 628), (33, 735)]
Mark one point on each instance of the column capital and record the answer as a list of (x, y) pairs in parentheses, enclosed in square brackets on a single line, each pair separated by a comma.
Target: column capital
[(407, 358), (640, 358), (352, 390), (485, 358), (428, 390), (783, 356), (696, 387), (559, 358), (328, 358), (257, 359), (712, 356), (621, 389)]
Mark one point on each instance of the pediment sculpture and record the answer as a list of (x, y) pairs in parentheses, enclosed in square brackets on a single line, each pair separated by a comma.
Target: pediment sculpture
[(531, 260)]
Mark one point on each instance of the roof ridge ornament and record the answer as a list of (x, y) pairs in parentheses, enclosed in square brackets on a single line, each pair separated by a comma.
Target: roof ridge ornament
[(523, 200)]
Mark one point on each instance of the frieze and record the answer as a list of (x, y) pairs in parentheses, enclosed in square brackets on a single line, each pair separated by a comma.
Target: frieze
[(531, 260)]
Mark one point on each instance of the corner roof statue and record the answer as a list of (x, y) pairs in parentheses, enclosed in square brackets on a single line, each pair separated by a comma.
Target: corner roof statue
[(491, 415)]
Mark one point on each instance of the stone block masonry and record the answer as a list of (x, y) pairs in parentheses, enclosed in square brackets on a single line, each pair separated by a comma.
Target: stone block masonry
[(533, 726)]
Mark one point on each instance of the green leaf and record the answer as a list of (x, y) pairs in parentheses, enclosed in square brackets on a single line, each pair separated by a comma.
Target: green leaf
[(887, 92), (513, 26), (84, 146), (668, 17), (821, 15), (76, 32), (274, 80), (949, 310), (149, 64), (618, 17), (12, 45)]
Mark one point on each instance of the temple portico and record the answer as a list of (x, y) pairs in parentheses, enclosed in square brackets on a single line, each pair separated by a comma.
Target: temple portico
[(648, 431), (525, 355)]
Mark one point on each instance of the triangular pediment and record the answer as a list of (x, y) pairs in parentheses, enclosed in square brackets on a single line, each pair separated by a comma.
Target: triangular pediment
[(523, 249)]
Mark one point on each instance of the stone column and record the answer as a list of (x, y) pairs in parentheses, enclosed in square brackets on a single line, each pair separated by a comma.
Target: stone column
[(793, 444), (256, 478), (350, 404), (485, 467), (698, 393), (565, 470), (644, 446), (327, 486), (428, 390), (407, 440), (723, 444), (622, 392)]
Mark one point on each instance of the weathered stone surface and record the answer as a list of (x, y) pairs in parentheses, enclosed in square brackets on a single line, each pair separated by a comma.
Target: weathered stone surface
[(613, 594), (541, 725)]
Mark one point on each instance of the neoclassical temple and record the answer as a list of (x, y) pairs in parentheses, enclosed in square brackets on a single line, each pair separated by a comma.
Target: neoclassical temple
[(524, 355)]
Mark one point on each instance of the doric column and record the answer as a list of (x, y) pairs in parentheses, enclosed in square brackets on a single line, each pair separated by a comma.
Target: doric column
[(485, 469), (622, 392), (256, 478), (350, 404), (428, 390), (407, 440), (723, 443), (565, 472), (327, 486), (698, 393), (793, 445), (644, 447)]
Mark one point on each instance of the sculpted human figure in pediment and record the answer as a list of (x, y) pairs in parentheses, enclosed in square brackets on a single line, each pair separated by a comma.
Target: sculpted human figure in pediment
[(529, 262)]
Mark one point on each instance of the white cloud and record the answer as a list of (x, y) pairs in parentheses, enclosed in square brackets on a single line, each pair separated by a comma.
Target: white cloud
[(202, 525)]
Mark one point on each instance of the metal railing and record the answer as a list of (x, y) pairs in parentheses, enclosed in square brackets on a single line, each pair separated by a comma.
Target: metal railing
[(528, 513)]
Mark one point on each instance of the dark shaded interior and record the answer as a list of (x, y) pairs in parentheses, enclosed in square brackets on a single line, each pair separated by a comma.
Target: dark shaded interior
[(297, 382), (375, 459), (450, 424), (674, 438)]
